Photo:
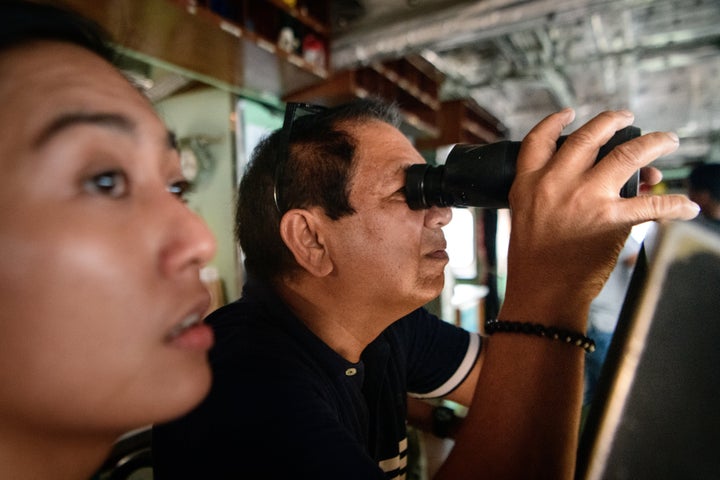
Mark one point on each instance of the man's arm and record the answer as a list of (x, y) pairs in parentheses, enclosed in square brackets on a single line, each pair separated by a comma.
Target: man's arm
[(568, 226)]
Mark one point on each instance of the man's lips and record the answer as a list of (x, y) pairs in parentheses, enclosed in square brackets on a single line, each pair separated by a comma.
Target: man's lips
[(439, 254), (438, 251)]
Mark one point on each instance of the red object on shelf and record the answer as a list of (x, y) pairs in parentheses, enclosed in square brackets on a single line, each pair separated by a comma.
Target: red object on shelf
[(313, 50)]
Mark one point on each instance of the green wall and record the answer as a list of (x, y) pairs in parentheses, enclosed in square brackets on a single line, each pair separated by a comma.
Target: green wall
[(207, 112)]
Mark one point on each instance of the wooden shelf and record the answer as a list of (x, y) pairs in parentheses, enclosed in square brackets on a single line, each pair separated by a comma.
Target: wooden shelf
[(239, 49), (315, 15), (464, 121), (410, 82)]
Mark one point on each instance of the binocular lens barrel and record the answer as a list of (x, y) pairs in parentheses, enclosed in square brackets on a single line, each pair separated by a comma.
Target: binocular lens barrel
[(481, 175)]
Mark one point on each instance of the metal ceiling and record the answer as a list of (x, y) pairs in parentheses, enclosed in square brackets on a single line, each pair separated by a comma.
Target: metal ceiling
[(522, 60)]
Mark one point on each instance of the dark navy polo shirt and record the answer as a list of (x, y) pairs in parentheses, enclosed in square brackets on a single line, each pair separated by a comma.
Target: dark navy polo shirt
[(285, 405)]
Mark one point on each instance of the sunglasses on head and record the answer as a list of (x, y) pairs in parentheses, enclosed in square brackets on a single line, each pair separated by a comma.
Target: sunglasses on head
[(293, 111)]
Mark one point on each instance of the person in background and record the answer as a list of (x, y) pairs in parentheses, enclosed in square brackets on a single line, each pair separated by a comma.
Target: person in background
[(100, 330), (312, 365), (704, 189)]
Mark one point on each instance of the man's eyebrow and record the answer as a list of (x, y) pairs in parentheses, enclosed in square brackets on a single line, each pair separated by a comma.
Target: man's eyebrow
[(63, 122)]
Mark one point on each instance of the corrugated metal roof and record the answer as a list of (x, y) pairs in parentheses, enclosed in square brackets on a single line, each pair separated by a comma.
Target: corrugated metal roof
[(522, 60)]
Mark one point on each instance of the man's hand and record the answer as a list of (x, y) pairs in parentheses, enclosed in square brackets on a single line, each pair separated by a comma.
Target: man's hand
[(568, 219)]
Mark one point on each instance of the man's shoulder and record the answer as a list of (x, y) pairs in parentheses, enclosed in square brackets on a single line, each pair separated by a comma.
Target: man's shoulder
[(249, 331), (238, 317)]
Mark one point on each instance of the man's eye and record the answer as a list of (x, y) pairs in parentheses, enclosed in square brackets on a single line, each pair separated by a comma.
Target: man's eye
[(180, 189), (112, 183)]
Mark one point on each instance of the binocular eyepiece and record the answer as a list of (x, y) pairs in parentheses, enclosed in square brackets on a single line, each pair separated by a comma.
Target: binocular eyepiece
[(481, 175)]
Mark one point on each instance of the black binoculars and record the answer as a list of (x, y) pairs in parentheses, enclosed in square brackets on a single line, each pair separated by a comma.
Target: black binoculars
[(481, 175)]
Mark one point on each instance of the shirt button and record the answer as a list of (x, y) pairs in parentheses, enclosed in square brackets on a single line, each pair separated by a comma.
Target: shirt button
[(351, 371)]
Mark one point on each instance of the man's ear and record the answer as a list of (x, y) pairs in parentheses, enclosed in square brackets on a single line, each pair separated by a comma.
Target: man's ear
[(301, 230)]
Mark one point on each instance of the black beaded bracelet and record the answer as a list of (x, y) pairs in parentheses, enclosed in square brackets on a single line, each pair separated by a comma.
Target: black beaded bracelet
[(553, 333)]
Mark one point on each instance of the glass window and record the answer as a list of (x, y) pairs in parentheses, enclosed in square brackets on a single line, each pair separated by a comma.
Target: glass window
[(460, 236)]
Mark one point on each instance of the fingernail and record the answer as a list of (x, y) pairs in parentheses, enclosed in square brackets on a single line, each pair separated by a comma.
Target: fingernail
[(570, 112), (673, 136), (627, 113)]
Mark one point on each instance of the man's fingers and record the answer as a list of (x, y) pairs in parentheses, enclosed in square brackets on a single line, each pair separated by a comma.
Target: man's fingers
[(618, 165), (650, 176), (581, 148), (659, 207), (539, 144)]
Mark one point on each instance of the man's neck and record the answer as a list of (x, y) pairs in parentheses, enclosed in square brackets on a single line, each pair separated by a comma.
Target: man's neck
[(341, 320)]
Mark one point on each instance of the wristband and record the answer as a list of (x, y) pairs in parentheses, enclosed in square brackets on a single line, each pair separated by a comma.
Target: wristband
[(443, 421), (552, 333)]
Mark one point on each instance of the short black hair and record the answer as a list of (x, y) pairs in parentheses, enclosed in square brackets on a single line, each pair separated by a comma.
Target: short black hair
[(706, 178), (22, 22)]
